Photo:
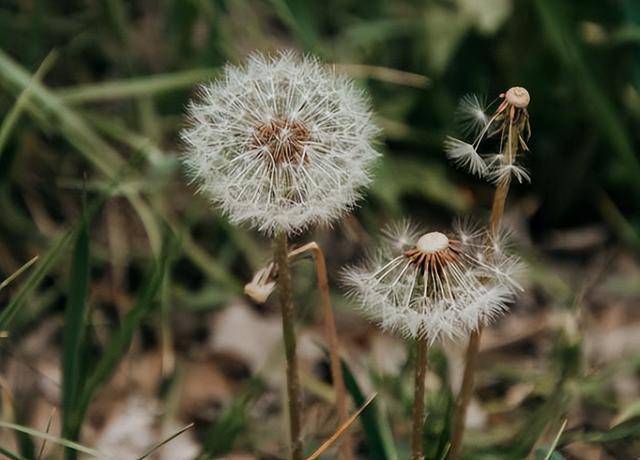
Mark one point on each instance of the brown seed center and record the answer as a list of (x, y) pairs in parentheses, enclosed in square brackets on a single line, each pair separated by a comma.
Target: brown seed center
[(282, 140), (433, 251)]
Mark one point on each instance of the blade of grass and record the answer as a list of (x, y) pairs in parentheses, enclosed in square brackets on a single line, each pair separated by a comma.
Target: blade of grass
[(75, 321), (46, 430), (341, 429), (42, 268), (221, 436), (166, 441), (134, 87), (12, 117), (554, 444), (17, 273), (55, 439), (379, 443), (10, 455), (119, 343)]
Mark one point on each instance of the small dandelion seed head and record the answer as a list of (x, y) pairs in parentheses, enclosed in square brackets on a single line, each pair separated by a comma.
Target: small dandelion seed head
[(281, 143), (518, 97), (440, 286)]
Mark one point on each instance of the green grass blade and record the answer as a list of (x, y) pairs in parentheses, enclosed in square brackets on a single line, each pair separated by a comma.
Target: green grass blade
[(33, 280), (220, 437), (10, 455), (119, 343), (380, 444), (55, 439), (134, 87), (17, 273), (75, 319), (165, 441), (12, 117)]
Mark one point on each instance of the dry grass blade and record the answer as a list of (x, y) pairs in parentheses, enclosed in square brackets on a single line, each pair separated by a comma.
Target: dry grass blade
[(556, 440), (55, 440), (44, 441), (17, 273), (168, 440), (385, 74), (344, 427)]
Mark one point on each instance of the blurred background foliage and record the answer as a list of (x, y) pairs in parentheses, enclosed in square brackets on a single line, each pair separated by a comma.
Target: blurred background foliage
[(92, 100)]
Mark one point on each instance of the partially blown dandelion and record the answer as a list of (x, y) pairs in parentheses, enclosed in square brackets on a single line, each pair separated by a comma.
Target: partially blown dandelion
[(509, 124), (429, 286), (282, 143), (434, 286)]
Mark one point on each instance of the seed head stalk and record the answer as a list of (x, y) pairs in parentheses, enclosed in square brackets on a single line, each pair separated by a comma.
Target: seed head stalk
[(289, 338), (331, 336), (420, 374), (473, 347)]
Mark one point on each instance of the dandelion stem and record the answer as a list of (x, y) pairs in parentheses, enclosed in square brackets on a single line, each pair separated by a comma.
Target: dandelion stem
[(418, 399), (331, 336), (471, 358), (464, 396), (289, 337)]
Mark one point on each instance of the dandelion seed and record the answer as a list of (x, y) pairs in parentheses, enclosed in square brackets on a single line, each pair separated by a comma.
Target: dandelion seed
[(465, 156), (504, 172), (471, 114), (436, 285), (281, 143)]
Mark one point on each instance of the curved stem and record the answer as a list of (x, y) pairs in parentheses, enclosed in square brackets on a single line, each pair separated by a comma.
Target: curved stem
[(418, 400), (331, 336), (289, 338)]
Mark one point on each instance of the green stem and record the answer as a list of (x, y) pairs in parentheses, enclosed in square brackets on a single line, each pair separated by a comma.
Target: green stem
[(418, 400), (289, 337)]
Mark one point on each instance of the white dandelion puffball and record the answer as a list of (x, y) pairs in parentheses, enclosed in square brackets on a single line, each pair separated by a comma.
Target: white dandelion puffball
[(434, 285), (281, 143)]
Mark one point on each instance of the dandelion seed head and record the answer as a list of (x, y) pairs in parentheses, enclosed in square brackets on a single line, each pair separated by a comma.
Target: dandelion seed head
[(441, 286), (518, 97), (280, 143)]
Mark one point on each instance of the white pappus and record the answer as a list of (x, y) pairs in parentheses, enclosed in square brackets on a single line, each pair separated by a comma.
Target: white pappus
[(281, 143), (432, 285)]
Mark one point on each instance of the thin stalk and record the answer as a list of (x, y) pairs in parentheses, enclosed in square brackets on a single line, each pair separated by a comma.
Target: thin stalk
[(464, 396), (418, 400), (331, 336), (289, 338), (471, 357)]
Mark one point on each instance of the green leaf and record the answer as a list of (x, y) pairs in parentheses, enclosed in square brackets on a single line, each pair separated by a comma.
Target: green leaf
[(380, 444), (42, 268), (134, 87), (220, 438), (121, 340), (75, 323), (12, 117)]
